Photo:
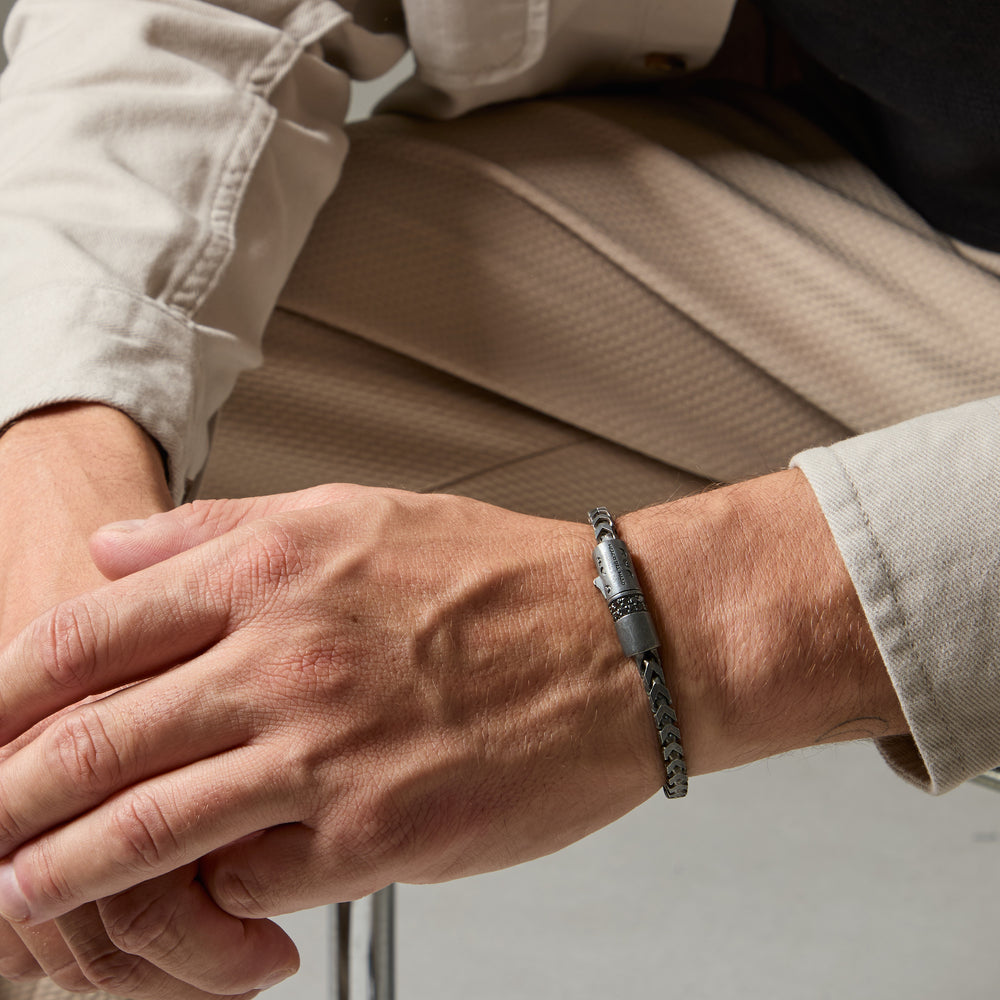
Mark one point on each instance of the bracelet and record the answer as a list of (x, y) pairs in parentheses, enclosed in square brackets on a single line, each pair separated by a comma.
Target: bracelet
[(619, 586)]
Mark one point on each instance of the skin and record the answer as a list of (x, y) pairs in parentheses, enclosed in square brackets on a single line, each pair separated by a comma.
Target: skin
[(299, 699)]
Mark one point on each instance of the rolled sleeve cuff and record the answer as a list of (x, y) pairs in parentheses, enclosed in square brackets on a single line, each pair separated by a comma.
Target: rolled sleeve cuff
[(126, 351), (913, 511)]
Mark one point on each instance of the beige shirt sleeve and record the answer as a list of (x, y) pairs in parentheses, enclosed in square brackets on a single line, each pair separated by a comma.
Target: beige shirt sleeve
[(913, 510), (162, 163)]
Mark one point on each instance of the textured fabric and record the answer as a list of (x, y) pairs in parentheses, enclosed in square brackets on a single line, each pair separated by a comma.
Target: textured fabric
[(711, 288), (882, 491), (332, 406), (765, 241)]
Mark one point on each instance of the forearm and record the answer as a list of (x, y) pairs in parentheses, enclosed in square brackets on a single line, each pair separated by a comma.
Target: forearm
[(766, 645), (64, 471)]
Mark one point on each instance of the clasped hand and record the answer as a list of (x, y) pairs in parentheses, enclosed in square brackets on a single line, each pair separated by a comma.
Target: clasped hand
[(291, 700)]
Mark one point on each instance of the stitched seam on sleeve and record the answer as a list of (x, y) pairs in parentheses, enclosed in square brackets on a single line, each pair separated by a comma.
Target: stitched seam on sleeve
[(309, 22), (899, 609), (192, 290)]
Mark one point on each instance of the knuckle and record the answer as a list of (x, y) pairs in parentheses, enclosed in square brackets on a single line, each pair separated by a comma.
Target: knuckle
[(142, 832), (114, 971), (66, 645), (276, 556), (240, 892), (386, 510), (377, 833), (147, 927), (19, 968), (308, 674), (71, 978), (80, 749), (202, 517), (12, 830), (50, 886)]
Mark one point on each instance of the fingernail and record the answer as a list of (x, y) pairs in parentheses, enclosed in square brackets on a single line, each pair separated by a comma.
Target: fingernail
[(13, 905), (275, 978), (122, 526)]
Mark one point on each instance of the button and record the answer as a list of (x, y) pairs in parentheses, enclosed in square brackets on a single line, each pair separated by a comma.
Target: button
[(665, 62)]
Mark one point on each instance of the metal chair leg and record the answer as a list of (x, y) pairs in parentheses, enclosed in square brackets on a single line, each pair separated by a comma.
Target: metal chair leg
[(381, 947), (989, 779), (382, 950), (340, 915)]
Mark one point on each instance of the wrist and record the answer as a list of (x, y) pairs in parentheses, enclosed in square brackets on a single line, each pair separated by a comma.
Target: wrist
[(104, 438), (765, 645), (65, 471)]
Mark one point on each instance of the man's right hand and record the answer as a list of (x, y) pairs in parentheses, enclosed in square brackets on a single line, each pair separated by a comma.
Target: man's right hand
[(64, 471)]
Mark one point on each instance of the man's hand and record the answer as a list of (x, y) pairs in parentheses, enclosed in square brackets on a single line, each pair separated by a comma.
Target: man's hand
[(344, 687), (64, 472), (339, 688)]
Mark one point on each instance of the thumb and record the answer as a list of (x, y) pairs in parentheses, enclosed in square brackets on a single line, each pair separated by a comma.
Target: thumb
[(129, 546)]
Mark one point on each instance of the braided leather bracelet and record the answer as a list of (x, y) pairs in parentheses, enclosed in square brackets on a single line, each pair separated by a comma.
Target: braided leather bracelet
[(619, 585)]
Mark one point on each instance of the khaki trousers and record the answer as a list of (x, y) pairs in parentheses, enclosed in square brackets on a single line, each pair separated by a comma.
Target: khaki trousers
[(564, 303), (560, 303)]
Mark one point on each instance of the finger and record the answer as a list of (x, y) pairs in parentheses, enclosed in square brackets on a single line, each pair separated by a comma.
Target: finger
[(9, 749), (284, 869), (128, 546), (138, 625), (143, 832), (50, 955), (107, 967), (94, 750), (112, 636), (173, 923), (17, 963)]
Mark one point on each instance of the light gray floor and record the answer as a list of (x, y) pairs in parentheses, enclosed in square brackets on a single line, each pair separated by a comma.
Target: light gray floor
[(818, 876)]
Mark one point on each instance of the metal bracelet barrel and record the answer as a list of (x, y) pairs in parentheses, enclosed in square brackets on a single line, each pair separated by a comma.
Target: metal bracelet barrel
[(618, 582)]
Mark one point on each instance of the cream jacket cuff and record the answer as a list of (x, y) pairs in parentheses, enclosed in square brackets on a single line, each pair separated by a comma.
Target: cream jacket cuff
[(913, 509)]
